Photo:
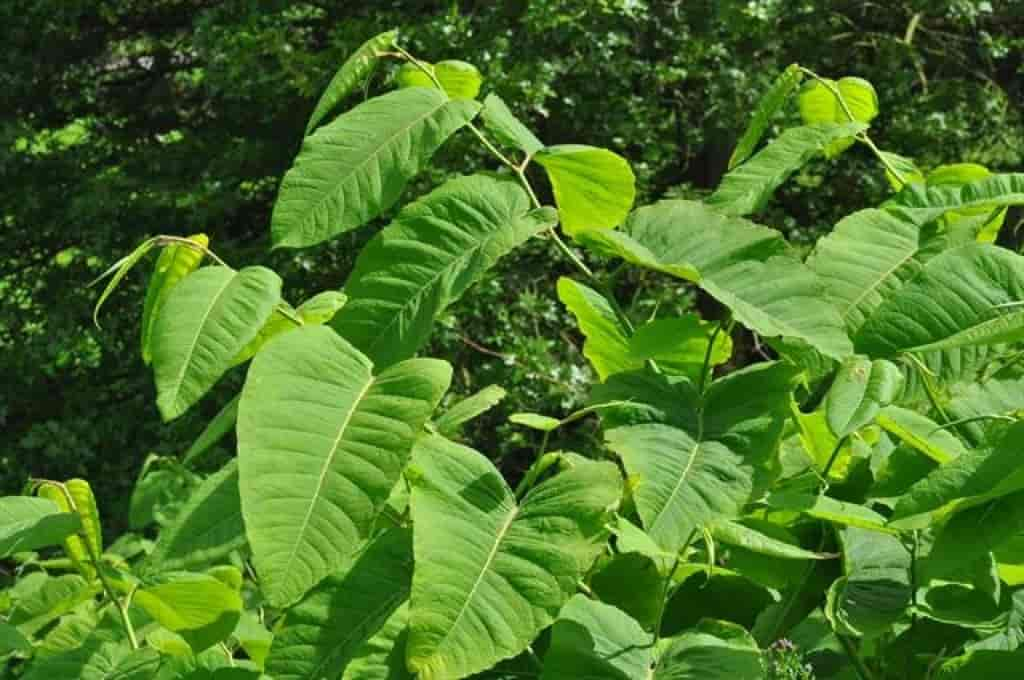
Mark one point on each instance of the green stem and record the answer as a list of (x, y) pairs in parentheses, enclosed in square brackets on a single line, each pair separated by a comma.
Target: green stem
[(832, 458), (858, 664), (667, 591), (727, 319)]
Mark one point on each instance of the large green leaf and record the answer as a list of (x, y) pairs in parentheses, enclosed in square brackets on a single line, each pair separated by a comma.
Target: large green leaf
[(706, 464), (428, 257), (861, 388), (955, 293), (175, 263), (47, 600), (352, 74), (594, 188), (490, 573), (28, 523), (866, 257), (200, 608), (748, 538), (970, 535), (382, 657), (355, 167), (747, 267), (748, 188), (311, 399), (205, 321), (509, 130), (207, 528), (770, 103), (606, 344), (329, 626), (713, 650)]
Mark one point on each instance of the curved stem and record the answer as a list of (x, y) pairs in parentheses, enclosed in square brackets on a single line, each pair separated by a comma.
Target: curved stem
[(832, 458)]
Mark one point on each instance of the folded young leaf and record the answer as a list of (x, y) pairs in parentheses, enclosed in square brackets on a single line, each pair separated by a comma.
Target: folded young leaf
[(771, 102)]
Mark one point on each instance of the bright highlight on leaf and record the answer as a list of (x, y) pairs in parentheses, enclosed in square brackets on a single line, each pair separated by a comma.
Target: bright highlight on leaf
[(594, 188)]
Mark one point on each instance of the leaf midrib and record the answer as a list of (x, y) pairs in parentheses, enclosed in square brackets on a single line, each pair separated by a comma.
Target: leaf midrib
[(323, 473)]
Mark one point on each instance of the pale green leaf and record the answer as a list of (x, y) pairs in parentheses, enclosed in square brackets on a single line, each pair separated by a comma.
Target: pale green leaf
[(352, 74), (742, 536), (326, 630), (28, 523), (311, 399), (818, 104), (207, 528), (355, 167), (472, 406), (535, 421), (198, 607), (606, 344), (771, 102), (594, 188), (748, 188), (924, 203), (921, 433), (829, 509), (509, 130), (428, 257), (970, 535), (459, 79), (174, 264), (514, 565), (203, 324), (861, 389), (680, 344)]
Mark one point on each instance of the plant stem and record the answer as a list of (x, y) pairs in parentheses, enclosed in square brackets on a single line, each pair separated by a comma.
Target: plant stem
[(727, 319), (858, 664), (832, 458)]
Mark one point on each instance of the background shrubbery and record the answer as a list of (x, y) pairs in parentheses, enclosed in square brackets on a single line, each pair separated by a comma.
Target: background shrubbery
[(127, 118)]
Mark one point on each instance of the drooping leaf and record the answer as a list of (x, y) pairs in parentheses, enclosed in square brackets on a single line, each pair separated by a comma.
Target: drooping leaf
[(312, 399), (606, 344), (215, 430), (594, 188), (742, 536), (428, 257), (706, 464), (984, 220), (208, 527), (535, 421), (31, 523), (921, 433), (467, 409), (771, 102), (117, 272), (828, 509), (315, 311), (509, 130), (955, 293), (713, 650), (748, 188), (924, 203), (327, 629), (632, 582), (53, 597), (861, 389), (488, 599), (352, 74), (981, 401), (747, 267), (205, 321), (174, 264), (459, 79), (200, 608), (818, 104), (355, 167)]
